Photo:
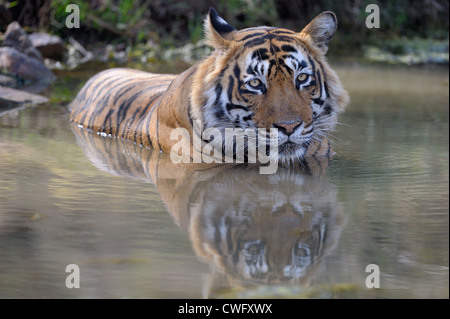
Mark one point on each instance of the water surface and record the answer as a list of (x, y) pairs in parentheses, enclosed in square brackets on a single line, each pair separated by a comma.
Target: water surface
[(139, 226)]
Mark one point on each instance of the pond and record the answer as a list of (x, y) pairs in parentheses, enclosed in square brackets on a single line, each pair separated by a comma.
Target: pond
[(138, 226)]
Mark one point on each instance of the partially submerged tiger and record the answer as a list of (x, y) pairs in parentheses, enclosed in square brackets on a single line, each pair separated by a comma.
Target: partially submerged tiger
[(256, 78)]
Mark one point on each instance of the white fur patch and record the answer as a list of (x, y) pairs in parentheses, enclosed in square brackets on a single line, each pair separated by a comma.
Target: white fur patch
[(221, 21)]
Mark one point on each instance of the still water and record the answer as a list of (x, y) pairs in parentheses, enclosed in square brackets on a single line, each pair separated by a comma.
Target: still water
[(139, 226)]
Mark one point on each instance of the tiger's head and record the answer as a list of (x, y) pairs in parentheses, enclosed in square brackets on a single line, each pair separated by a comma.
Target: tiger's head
[(267, 77)]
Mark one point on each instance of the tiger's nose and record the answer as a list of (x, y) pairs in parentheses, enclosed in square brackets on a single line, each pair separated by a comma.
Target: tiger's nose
[(287, 127)]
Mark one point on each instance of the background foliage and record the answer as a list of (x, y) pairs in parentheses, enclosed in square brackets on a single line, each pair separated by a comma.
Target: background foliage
[(170, 23)]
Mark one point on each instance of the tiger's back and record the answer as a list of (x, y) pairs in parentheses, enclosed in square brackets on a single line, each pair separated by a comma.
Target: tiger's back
[(120, 103)]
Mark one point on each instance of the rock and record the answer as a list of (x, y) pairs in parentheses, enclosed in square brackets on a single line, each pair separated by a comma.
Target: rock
[(21, 59), (17, 38), (7, 81), (17, 96), (50, 46), (12, 61)]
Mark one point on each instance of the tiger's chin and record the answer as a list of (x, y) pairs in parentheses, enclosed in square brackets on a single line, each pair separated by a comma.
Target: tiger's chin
[(292, 152), (314, 147)]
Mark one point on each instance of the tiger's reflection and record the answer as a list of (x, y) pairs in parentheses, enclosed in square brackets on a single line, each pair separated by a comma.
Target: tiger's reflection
[(264, 229), (251, 228)]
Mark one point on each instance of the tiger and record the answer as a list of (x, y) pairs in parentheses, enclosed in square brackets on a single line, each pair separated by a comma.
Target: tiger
[(255, 78)]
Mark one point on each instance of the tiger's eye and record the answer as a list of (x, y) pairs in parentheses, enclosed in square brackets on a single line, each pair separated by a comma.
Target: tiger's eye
[(302, 77), (255, 83)]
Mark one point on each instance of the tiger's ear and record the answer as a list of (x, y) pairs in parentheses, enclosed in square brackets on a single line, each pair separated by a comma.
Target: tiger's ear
[(321, 30), (219, 33)]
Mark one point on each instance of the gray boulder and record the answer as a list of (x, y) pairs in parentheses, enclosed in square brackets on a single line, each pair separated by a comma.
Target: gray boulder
[(16, 37), (16, 96), (13, 61), (8, 81), (50, 46), (19, 58)]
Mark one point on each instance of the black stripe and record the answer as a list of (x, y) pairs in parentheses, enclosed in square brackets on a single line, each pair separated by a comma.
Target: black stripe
[(97, 88), (260, 54), (288, 48), (128, 124), (261, 69), (313, 65), (83, 118), (153, 99), (271, 64), (326, 88), (191, 72), (218, 92), (274, 48), (282, 32), (99, 91), (231, 106), (245, 91), (217, 105), (103, 103), (189, 112), (222, 73), (122, 91), (219, 112), (317, 150), (237, 72), (149, 139), (327, 110), (247, 37), (255, 42), (270, 36), (82, 94), (92, 97), (303, 64), (143, 115), (230, 87), (281, 63), (285, 38), (319, 100), (329, 149), (147, 124), (107, 94), (123, 108), (260, 28), (157, 129), (107, 117), (251, 70), (132, 85)]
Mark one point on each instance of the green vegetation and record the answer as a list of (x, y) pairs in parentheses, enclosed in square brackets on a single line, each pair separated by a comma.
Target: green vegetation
[(127, 19), (165, 24)]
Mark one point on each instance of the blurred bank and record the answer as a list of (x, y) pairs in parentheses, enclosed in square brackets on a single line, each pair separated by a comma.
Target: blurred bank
[(410, 31)]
